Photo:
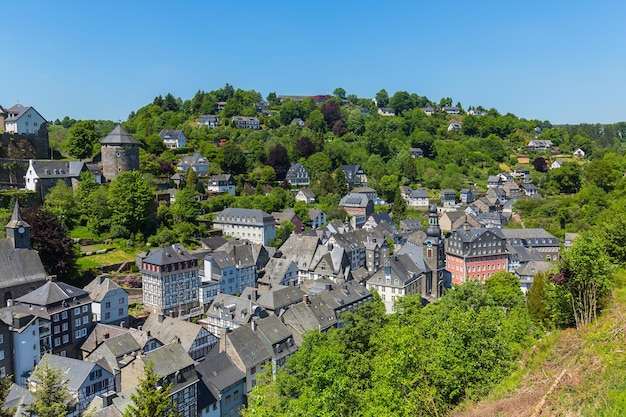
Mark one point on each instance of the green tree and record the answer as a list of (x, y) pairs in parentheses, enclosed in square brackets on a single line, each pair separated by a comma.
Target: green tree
[(382, 98), (283, 232), (537, 301), (51, 398), (339, 93), (234, 161), (60, 201), (130, 199), (5, 386), (398, 210), (586, 275), (81, 138), (151, 397)]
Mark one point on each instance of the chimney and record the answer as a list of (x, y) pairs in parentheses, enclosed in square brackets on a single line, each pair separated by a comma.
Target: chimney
[(9, 302), (160, 317), (253, 325), (305, 299), (466, 227)]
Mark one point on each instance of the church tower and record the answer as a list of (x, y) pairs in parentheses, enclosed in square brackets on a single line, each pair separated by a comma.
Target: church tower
[(17, 230), (434, 255)]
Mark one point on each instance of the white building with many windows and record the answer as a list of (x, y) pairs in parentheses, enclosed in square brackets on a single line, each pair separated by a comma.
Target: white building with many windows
[(170, 282), (256, 226)]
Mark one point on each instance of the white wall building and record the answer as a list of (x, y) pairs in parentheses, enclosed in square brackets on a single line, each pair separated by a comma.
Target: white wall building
[(23, 120), (254, 225)]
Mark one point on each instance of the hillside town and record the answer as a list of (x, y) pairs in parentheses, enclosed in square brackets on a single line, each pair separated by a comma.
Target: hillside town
[(217, 314)]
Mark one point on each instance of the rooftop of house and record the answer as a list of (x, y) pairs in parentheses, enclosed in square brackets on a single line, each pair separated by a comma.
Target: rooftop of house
[(100, 286)]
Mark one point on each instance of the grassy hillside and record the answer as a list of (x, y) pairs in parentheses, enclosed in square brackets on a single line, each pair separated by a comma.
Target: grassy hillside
[(569, 373)]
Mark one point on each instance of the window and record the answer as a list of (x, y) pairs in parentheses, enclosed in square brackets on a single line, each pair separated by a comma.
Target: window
[(57, 341), (66, 338), (253, 370), (227, 399), (107, 304), (85, 308), (55, 317), (77, 322), (107, 315), (57, 329), (3, 372), (77, 334), (1, 355), (120, 312), (1, 339), (77, 311), (236, 395), (63, 315), (121, 301), (85, 319), (65, 326), (95, 374)]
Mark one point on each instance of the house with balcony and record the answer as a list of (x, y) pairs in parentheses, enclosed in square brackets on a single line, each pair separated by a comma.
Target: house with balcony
[(173, 138)]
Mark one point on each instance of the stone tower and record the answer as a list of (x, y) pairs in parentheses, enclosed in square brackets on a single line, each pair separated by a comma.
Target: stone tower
[(17, 230), (120, 153), (434, 255)]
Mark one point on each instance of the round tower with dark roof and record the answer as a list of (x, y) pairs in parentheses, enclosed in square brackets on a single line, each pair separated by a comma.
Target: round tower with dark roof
[(120, 153)]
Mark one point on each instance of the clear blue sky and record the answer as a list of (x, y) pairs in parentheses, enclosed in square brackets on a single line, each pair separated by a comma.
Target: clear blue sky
[(562, 61)]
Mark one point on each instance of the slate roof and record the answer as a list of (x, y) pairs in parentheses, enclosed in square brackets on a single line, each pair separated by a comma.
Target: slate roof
[(312, 314), (401, 268), (168, 255), (275, 298), (52, 292), (99, 287), (75, 371), (354, 200), (308, 193), (531, 237), (58, 169), (170, 134), (243, 216), (218, 373), (168, 359), (17, 111), (275, 271), (103, 332), (173, 329), (118, 136), (19, 266), (248, 346), (193, 160), (213, 243), (532, 268)]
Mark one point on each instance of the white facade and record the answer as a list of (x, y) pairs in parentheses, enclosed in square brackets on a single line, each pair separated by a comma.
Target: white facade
[(26, 351), (31, 178), (28, 122), (113, 308), (253, 225)]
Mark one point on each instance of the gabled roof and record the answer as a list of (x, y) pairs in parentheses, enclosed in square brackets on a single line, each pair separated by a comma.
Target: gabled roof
[(75, 371), (52, 292), (243, 216), (118, 136), (307, 192), (193, 160), (277, 297), (168, 255), (100, 286), (170, 134), (168, 359), (58, 169), (17, 111), (173, 329), (219, 373), (248, 346), (401, 268)]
